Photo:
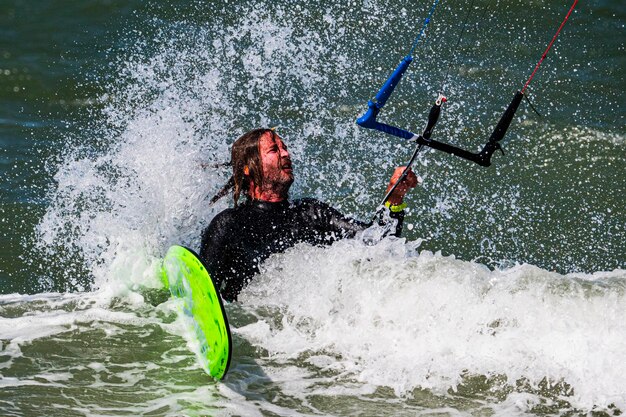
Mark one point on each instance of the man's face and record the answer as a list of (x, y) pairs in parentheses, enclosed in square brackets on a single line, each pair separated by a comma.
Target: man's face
[(277, 171)]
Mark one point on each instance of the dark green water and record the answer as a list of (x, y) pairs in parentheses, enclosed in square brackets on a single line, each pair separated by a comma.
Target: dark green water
[(110, 109)]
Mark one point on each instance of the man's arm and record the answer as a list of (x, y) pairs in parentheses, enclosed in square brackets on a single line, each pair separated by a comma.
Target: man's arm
[(395, 202), (333, 225), (330, 225), (214, 249), (396, 198), (329, 222)]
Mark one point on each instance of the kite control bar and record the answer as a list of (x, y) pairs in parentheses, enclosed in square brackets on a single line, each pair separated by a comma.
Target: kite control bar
[(483, 158)]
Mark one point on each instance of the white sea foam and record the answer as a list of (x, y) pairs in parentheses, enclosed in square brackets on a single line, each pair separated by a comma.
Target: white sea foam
[(407, 321)]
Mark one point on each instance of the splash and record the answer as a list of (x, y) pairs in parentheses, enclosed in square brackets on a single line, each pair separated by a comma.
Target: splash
[(143, 176), (390, 316)]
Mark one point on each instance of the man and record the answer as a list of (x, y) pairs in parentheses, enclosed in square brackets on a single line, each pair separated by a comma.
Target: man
[(238, 240)]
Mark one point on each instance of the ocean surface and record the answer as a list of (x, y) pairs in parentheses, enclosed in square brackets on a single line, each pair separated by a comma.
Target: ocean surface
[(506, 295)]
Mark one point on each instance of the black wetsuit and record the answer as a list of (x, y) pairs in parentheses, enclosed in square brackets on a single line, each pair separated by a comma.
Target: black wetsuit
[(241, 238)]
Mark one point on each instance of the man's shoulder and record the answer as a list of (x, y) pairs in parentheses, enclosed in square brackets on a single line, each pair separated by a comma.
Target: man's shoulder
[(226, 216), (309, 202)]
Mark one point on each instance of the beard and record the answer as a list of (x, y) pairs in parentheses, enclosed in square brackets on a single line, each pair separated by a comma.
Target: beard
[(279, 181), (279, 184)]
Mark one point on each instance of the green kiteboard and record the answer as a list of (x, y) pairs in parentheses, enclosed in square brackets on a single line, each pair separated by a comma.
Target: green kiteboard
[(187, 278)]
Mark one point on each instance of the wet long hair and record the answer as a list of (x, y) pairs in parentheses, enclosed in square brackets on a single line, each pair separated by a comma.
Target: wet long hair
[(245, 152)]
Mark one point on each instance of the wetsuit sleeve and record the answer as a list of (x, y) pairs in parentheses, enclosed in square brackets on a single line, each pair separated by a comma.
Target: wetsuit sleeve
[(338, 226), (398, 217), (337, 223)]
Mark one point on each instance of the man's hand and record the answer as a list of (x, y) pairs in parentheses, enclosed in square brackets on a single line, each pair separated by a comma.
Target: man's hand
[(410, 181)]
